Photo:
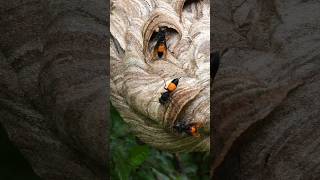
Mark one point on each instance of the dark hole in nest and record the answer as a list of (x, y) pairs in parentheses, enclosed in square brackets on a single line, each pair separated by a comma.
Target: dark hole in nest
[(194, 7), (188, 3)]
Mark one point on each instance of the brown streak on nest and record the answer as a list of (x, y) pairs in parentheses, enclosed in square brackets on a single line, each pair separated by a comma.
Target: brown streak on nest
[(181, 98)]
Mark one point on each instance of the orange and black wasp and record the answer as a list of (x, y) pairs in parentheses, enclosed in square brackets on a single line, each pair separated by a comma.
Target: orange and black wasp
[(160, 49), (191, 129), (165, 96)]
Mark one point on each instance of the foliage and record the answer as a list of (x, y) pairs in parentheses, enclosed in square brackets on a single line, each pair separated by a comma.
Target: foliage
[(131, 159)]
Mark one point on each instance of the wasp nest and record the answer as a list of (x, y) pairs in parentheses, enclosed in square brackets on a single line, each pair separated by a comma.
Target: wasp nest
[(153, 42)]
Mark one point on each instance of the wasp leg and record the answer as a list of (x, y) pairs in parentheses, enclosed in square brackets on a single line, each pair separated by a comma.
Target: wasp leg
[(165, 83)]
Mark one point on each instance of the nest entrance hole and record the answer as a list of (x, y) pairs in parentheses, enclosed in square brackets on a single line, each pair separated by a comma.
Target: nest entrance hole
[(192, 8), (162, 41)]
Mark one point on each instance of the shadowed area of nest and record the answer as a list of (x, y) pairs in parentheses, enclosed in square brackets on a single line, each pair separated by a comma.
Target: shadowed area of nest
[(154, 43)]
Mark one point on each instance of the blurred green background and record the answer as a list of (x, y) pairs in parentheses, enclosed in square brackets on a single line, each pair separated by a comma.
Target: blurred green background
[(13, 166), (131, 159)]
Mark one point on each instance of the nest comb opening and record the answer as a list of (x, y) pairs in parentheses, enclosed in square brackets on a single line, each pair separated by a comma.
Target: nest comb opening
[(192, 8)]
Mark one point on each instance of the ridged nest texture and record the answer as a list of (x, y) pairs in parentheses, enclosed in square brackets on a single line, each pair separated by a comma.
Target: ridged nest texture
[(137, 78)]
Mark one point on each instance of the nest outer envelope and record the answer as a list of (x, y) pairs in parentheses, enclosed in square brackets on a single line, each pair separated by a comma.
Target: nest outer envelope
[(137, 80)]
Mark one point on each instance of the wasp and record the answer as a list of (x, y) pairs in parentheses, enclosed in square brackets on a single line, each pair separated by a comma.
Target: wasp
[(191, 129), (160, 49), (165, 96)]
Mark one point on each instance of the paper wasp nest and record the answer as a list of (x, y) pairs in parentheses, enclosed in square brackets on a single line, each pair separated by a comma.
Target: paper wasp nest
[(137, 76)]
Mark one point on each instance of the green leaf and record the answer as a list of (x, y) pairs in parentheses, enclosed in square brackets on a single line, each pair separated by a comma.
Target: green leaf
[(143, 174), (137, 155), (119, 128), (122, 168)]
